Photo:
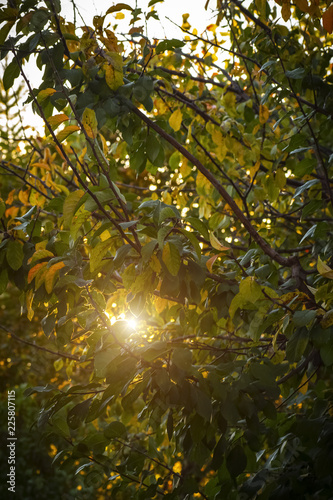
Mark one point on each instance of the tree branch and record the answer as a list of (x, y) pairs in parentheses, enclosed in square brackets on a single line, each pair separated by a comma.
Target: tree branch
[(268, 250)]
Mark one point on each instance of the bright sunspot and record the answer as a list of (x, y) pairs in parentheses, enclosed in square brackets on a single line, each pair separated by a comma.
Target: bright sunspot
[(132, 323)]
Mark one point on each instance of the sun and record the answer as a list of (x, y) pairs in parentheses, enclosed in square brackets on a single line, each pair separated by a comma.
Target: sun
[(132, 323)]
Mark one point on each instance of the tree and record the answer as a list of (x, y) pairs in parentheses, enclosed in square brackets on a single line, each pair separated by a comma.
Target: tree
[(170, 241)]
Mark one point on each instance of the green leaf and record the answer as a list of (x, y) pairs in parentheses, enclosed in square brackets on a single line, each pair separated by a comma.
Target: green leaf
[(297, 345), (171, 258), (152, 147), (166, 213), (15, 254), (183, 359), (236, 461), (303, 318), (77, 414), (169, 45), (203, 405), (170, 425), (11, 73), (104, 196), (3, 280), (199, 226), (250, 290), (326, 354), (309, 233), (98, 252), (193, 239), (305, 186), (115, 430), (296, 74), (102, 360), (2, 207)]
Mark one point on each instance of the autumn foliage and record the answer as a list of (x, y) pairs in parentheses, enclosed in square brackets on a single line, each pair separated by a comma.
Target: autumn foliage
[(166, 250)]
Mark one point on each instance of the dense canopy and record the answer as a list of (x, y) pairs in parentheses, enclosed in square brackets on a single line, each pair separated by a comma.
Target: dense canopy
[(166, 251)]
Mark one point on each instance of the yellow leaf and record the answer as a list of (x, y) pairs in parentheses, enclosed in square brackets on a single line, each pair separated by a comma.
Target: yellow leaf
[(171, 258), (34, 270), (120, 15), (10, 197), (203, 185), (58, 364), (210, 262), (70, 204), (23, 196), (285, 11), (327, 319), (41, 245), (160, 304), (56, 120), (324, 269), (201, 86), (111, 42), (216, 244), (255, 168), (44, 94), (212, 28), (263, 114), (175, 120), (113, 78), (304, 388), (328, 19), (155, 264), (28, 300), (38, 164), (217, 136), (50, 275), (280, 178), (229, 101), (63, 134), (97, 253), (40, 254), (89, 121), (113, 70)]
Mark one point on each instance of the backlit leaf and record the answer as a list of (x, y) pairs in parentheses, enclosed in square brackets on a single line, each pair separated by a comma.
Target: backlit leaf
[(98, 252), (216, 244), (89, 122), (44, 94), (175, 120), (67, 131), (40, 254), (324, 269), (263, 113), (50, 275), (34, 270), (171, 258), (250, 290), (56, 120), (70, 204)]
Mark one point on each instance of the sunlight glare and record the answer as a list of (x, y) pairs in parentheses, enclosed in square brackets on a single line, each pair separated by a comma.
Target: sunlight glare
[(132, 323)]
